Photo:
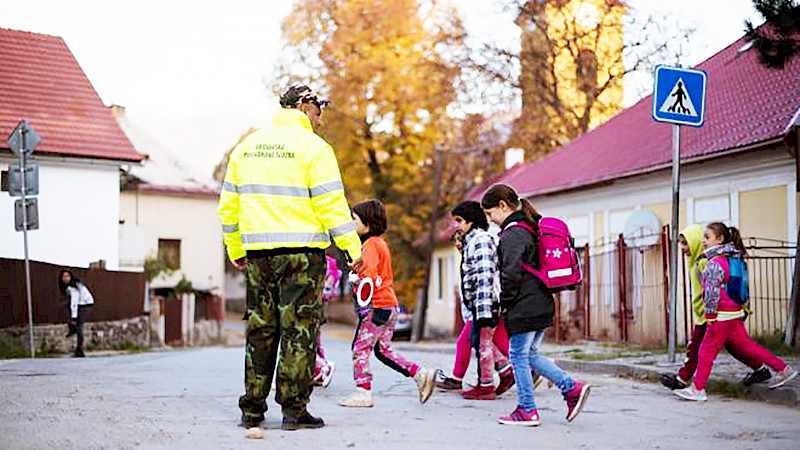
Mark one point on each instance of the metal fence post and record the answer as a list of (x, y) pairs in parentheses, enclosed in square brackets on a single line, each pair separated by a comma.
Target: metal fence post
[(587, 293), (623, 288), (665, 260)]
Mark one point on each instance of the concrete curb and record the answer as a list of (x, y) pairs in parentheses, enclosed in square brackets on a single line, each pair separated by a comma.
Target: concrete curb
[(788, 395), (729, 387)]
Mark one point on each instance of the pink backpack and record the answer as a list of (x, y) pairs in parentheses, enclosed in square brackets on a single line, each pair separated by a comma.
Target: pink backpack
[(560, 266)]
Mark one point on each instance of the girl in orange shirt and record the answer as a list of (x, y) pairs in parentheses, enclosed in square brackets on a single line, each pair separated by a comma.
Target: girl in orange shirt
[(376, 324)]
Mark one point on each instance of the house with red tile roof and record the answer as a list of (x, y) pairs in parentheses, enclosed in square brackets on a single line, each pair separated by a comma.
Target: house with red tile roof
[(739, 168), (158, 199), (80, 153)]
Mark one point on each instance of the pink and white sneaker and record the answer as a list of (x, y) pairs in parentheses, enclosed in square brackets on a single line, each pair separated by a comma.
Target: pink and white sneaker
[(575, 399), (522, 418)]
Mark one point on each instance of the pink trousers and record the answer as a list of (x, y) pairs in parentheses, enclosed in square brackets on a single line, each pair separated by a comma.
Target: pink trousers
[(464, 349), (732, 333), (374, 332)]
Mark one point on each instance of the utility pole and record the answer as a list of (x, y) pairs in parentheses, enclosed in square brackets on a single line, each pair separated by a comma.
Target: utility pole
[(419, 322)]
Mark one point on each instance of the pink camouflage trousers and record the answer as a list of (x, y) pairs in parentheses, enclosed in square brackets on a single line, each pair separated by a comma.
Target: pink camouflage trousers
[(374, 331), (489, 356)]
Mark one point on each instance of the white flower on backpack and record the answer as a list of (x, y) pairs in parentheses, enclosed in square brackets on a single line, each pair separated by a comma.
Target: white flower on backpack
[(557, 253)]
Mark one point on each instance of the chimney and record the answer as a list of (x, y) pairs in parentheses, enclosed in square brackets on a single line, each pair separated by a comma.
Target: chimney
[(118, 111), (514, 156)]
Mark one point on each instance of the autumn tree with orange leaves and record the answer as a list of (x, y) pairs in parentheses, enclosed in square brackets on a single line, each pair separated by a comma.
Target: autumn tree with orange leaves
[(388, 69)]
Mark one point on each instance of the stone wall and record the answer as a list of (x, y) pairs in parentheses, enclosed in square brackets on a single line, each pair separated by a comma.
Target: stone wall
[(207, 332), (111, 335)]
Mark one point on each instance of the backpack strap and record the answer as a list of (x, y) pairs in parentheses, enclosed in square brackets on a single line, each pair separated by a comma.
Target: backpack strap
[(520, 224)]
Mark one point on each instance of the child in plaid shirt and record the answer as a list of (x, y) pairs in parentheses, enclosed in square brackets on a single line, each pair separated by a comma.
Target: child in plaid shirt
[(479, 284)]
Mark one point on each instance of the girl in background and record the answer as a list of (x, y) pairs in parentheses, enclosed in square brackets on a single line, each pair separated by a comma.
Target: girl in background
[(724, 316), (80, 303), (478, 276), (323, 369)]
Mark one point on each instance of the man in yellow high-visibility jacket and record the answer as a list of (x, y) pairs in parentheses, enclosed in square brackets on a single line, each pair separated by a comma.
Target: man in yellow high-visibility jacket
[(281, 203)]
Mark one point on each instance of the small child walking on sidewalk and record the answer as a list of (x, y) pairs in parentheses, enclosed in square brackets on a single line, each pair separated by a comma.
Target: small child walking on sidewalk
[(691, 244), (724, 315), (376, 326), (527, 306), (323, 369), (478, 277)]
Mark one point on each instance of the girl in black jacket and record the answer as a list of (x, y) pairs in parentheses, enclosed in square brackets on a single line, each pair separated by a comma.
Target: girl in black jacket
[(527, 306)]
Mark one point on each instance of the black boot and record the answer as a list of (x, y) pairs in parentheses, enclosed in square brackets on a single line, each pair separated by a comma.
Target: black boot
[(79, 353), (759, 375), (301, 420), (250, 422), (672, 381)]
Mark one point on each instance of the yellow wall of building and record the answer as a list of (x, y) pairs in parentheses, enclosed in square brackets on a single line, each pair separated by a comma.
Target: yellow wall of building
[(664, 213), (762, 213), (598, 228)]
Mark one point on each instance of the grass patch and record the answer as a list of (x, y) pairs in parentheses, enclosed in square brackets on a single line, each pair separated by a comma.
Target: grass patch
[(10, 351), (726, 388), (595, 356), (130, 347), (775, 343)]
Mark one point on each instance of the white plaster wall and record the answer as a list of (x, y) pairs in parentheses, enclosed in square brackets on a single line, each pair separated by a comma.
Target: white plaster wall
[(718, 179), (193, 220), (441, 311), (78, 215)]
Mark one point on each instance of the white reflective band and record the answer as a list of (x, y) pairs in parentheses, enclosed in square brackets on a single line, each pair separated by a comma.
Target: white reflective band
[(272, 190), (230, 228), (322, 189), (265, 238), (291, 191), (559, 273), (343, 229)]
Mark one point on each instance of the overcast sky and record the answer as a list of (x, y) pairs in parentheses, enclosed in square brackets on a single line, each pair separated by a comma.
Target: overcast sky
[(191, 72)]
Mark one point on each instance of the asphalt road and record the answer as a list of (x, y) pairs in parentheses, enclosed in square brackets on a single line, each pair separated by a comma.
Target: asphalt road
[(188, 399)]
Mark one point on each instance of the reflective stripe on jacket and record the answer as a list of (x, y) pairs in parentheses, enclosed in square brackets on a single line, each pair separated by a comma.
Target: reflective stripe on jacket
[(283, 189)]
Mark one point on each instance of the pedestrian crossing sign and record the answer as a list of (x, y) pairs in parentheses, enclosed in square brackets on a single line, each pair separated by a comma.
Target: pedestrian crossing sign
[(679, 96)]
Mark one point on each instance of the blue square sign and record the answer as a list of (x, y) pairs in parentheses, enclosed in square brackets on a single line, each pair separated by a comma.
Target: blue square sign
[(679, 96)]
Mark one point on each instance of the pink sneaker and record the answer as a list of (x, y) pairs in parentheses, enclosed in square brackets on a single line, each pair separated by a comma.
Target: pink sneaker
[(521, 418), (575, 399)]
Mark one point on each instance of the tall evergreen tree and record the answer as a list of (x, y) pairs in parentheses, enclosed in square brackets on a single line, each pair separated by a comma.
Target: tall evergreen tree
[(780, 41)]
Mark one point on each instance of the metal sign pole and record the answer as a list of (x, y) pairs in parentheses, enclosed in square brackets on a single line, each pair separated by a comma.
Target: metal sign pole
[(673, 250), (25, 239)]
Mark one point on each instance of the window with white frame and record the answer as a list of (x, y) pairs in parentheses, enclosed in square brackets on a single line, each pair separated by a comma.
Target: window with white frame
[(712, 209)]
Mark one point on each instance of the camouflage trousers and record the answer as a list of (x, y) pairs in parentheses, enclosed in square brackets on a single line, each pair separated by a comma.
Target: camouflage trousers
[(284, 311)]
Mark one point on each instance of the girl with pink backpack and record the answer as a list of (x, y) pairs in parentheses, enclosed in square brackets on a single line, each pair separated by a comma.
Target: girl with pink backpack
[(527, 305)]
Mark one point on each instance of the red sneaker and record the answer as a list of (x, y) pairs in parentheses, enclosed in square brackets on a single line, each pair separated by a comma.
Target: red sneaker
[(522, 418), (575, 399), (480, 393), (506, 381)]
